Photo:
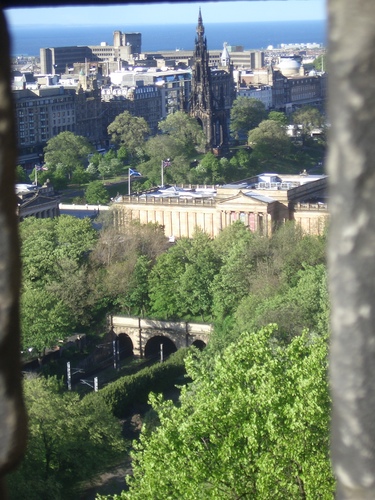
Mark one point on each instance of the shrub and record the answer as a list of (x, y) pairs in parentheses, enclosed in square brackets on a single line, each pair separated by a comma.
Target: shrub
[(122, 394)]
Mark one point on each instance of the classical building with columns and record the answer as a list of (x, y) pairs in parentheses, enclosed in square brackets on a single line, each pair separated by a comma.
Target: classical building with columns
[(261, 203), (40, 202)]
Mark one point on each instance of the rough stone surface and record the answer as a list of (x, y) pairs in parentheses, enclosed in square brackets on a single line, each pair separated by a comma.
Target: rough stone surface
[(351, 172), (12, 415)]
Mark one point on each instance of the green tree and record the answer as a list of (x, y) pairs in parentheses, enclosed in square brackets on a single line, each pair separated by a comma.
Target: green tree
[(208, 170), (111, 164), (123, 155), (302, 305), (269, 140), (70, 441), (92, 171), (232, 281), (37, 249), (130, 132), (246, 114), (279, 117), (105, 169), (80, 176), (236, 433), (320, 63), (58, 177), (71, 285), (21, 175), (309, 118), (179, 142), (68, 150), (96, 193), (180, 281), (242, 165), (74, 237), (54, 293), (136, 299), (195, 283), (185, 130), (45, 319), (166, 302)]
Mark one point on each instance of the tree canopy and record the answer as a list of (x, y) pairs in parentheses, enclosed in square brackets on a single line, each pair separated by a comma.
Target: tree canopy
[(278, 117), (52, 300), (66, 152), (246, 114), (69, 441), (185, 130), (180, 140), (309, 118), (269, 140), (96, 193), (254, 423), (130, 132)]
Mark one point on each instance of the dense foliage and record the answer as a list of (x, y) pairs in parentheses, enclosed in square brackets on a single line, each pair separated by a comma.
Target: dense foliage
[(180, 140), (241, 282), (73, 275), (130, 132), (54, 296), (122, 395), (71, 159), (253, 424), (69, 441), (246, 114)]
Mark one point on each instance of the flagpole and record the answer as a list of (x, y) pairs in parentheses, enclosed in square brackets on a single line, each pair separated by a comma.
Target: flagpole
[(36, 175), (129, 181), (162, 173)]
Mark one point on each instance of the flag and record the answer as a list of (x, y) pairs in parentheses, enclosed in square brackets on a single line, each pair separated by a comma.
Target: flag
[(167, 163), (40, 168), (135, 173)]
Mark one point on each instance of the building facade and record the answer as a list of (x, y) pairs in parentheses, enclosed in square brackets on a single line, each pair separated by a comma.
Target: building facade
[(262, 203), (174, 86), (39, 202), (263, 93), (144, 101), (58, 59), (292, 88), (45, 112)]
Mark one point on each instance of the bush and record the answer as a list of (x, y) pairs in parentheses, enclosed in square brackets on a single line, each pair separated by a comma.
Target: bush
[(121, 395)]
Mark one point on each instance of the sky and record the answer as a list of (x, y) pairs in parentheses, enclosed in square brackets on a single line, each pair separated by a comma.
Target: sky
[(175, 13)]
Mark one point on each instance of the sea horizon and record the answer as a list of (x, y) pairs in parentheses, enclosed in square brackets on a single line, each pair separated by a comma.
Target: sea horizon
[(27, 40)]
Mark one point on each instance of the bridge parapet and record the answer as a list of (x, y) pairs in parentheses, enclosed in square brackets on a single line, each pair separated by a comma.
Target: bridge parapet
[(141, 330)]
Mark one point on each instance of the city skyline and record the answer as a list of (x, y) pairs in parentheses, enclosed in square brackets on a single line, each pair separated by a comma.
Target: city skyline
[(171, 13)]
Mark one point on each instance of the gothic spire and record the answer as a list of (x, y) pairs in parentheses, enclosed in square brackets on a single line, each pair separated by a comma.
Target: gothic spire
[(200, 27)]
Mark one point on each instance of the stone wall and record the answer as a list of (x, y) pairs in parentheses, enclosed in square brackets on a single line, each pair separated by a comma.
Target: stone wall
[(351, 169), (12, 413)]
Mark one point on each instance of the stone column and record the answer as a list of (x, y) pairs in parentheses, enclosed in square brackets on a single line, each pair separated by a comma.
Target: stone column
[(12, 414), (351, 169)]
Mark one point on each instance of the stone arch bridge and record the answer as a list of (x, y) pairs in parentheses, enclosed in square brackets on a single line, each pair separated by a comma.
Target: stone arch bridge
[(143, 336)]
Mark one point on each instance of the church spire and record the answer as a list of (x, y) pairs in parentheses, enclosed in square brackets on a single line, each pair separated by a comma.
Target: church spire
[(200, 27)]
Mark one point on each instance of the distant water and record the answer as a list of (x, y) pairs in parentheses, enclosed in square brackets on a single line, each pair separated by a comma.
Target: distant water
[(27, 40)]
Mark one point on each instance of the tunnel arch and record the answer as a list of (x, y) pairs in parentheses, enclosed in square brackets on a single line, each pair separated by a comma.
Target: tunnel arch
[(199, 344), (125, 347), (152, 347)]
